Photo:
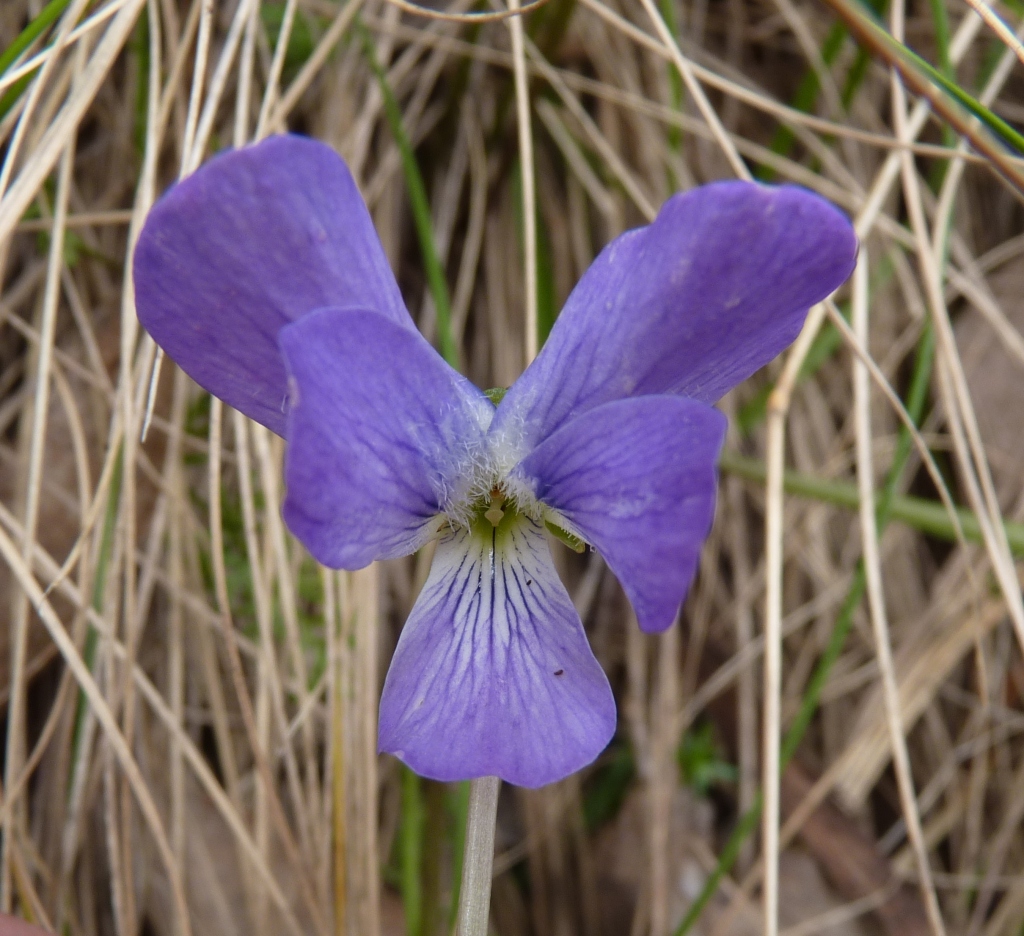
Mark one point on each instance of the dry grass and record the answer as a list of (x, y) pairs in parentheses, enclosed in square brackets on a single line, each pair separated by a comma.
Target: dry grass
[(190, 701)]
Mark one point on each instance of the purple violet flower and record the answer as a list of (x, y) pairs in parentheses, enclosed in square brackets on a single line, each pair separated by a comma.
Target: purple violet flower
[(263, 277)]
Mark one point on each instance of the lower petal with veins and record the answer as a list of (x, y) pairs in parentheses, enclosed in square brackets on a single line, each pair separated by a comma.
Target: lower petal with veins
[(493, 674)]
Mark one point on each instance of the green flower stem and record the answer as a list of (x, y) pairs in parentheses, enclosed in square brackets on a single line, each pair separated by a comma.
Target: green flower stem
[(478, 859)]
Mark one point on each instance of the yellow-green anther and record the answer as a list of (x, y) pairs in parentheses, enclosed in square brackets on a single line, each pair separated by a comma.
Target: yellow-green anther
[(496, 394), (573, 542)]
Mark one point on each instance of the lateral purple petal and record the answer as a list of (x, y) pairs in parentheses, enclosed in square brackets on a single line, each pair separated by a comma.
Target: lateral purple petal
[(493, 675), (380, 436), (637, 478), (692, 304), (255, 239)]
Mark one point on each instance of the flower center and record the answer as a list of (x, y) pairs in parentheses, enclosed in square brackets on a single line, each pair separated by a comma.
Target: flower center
[(488, 502), (494, 512), (500, 510), (483, 490), (494, 515)]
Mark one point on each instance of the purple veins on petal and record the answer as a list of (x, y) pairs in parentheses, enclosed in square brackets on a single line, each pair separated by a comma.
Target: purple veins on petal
[(261, 275), (252, 241), (379, 440), (493, 675), (692, 304), (637, 479)]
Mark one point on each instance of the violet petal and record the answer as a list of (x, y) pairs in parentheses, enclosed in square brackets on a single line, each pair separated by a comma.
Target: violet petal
[(253, 240), (692, 304), (493, 675), (637, 478), (381, 436)]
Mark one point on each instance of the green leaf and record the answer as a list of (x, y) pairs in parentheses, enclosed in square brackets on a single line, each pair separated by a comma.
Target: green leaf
[(701, 761)]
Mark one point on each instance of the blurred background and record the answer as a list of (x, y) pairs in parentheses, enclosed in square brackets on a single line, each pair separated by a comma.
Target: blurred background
[(189, 702)]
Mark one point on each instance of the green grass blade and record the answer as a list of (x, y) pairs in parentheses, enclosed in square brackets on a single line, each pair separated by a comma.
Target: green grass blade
[(458, 805), (411, 845), (675, 87), (436, 282), (31, 32), (11, 95), (547, 300), (26, 37), (940, 19), (99, 587), (805, 97), (922, 514), (993, 121), (435, 824), (807, 91), (744, 828), (866, 19)]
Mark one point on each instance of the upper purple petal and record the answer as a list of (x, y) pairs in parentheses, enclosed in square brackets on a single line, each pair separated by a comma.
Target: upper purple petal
[(381, 436), (254, 240), (637, 478), (692, 304), (493, 675)]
